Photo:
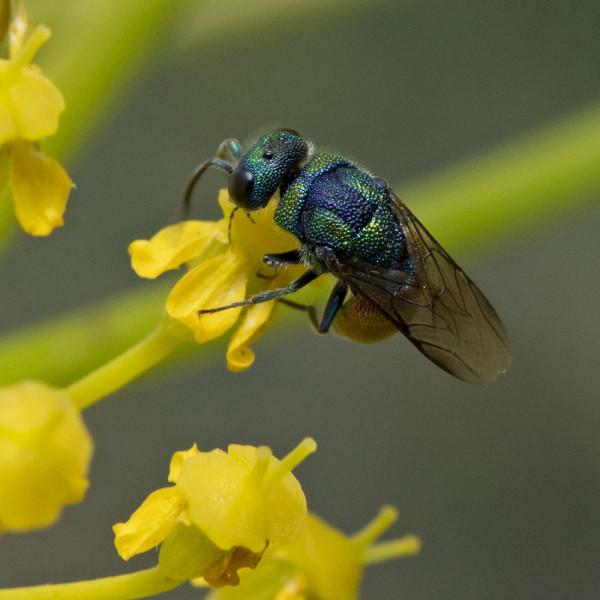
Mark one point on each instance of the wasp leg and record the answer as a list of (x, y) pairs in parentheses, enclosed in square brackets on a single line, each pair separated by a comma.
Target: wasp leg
[(230, 144), (299, 283), (230, 221), (309, 309), (336, 299), (283, 258)]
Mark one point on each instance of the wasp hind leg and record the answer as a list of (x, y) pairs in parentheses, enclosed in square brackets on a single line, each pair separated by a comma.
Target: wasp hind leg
[(336, 299), (292, 257), (296, 285)]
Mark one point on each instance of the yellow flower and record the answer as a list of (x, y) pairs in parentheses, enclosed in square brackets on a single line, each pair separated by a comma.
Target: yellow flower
[(223, 511), (322, 563), (45, 452), (225, 266), (30, 105)]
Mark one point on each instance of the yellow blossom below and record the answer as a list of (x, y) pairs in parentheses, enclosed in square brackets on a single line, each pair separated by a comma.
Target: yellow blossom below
[(223, 511), (256, 501), (45, 452)]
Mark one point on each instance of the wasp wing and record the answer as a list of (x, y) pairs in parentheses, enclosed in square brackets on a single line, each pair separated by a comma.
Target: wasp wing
[(437, 307)]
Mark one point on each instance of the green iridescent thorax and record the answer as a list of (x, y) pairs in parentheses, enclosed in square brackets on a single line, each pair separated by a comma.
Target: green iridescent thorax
[(333, 203)]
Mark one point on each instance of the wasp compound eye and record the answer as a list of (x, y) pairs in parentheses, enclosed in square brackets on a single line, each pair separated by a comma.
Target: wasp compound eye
[(241, 182)]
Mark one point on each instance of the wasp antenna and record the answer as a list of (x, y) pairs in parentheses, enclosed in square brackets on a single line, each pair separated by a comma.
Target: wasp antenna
[(196, 175)]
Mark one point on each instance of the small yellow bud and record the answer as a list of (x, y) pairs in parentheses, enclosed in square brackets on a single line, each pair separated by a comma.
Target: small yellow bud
[(45, 452)]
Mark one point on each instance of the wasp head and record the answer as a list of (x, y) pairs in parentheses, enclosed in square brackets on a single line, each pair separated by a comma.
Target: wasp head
[(264, 167)]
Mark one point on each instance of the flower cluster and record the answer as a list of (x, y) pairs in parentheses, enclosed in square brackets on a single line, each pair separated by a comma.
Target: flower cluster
[(236, 521), (223, 511), (240, 517), (224, 260), (30, 105)]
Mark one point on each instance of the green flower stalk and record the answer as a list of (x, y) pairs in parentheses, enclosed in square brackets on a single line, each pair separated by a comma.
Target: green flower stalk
[(119, 371)]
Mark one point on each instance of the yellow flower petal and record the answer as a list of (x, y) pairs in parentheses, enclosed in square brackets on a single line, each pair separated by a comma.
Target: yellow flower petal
[(256, 320), (39, 186), (177, 461), (332, 564), (45, 451), (232, 501), (30, 104), (219, 281), (214, 483), (284, 500), (150, 524), (175, 245)]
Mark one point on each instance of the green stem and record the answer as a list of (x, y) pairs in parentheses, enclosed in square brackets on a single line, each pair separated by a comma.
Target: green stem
[(127, 366), (65, 348), (140, 584), (7, 215)]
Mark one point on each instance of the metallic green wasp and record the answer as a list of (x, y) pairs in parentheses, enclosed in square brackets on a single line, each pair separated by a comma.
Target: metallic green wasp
[(391, 273)]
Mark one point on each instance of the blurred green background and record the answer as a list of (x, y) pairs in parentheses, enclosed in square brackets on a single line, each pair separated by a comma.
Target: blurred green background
[(501, 481)]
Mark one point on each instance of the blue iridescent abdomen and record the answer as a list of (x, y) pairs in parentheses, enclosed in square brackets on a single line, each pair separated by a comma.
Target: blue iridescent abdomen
[(333, 203)]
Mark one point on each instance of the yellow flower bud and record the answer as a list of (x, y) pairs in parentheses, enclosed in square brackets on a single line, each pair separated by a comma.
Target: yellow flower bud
[(333, 562), (45, 452)]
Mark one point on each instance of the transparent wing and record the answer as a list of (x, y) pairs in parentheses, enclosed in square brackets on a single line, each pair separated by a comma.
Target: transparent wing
[(437, 307)]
